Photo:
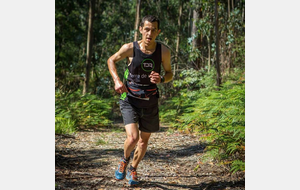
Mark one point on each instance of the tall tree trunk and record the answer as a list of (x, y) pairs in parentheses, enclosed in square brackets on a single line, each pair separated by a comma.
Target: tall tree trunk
[(200, 41), (217, 44), (178, 37), (190, 23), (209, 56), (137, 19), (194, 28), (195, 42), (89, 46), (210, 40), (228, 8), (243, 14), (229, 46)]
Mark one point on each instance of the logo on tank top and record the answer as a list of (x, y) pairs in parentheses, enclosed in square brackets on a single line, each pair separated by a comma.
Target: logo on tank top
[(148, 65)]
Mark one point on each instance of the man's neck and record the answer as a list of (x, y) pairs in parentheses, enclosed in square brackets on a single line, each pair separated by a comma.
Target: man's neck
[(147, 47)]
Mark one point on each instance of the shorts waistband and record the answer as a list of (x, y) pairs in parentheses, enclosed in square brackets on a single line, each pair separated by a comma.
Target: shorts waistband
[(131, 82)]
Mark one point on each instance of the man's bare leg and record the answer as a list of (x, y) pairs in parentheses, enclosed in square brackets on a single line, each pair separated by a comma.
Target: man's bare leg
[(129, 144), (141, 149), (132, 132)]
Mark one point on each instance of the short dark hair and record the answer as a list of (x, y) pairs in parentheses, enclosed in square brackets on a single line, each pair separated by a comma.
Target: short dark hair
[(150, 18)]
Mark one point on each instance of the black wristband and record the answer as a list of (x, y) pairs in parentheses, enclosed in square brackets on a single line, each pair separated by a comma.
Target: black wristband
[(162, 79)]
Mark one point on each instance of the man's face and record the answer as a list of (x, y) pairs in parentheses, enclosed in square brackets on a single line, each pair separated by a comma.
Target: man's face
[(149, 32)]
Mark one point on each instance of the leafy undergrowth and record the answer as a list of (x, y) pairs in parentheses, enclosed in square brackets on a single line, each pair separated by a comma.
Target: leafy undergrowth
[(217, 117), (74, 110)]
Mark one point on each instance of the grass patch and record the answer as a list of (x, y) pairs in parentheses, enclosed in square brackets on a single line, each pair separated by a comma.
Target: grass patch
[(118, 130), (64, 125), (100, 142)]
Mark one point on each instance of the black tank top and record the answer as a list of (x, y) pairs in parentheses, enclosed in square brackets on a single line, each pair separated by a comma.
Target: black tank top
[(141, 92), (142, 64)]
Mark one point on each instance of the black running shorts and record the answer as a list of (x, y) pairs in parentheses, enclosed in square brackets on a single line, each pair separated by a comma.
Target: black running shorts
[(147, 118)]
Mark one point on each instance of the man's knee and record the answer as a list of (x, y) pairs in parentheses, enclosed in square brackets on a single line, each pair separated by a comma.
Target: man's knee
[(132, 134), (143, 143), (132, 139)]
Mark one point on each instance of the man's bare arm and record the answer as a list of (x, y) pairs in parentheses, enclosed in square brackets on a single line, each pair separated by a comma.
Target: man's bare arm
[(125, 51), (166, 63)]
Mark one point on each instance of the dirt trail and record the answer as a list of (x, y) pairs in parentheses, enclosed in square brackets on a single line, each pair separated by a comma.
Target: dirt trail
[(89, 160)]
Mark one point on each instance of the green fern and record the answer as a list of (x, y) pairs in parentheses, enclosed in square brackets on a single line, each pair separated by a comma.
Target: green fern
[(85, 110), (64, 125), (237, 165), (219, 118)]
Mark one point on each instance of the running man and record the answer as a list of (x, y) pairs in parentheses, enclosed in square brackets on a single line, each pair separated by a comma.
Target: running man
[(139, 100)]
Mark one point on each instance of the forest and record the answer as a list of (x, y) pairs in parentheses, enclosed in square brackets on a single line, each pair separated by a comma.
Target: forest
[(207, 42)]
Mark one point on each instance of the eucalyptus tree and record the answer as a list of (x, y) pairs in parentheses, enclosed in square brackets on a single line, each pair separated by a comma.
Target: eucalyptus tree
[(217, 44), (89, 46), (137, 19), (178, 37)]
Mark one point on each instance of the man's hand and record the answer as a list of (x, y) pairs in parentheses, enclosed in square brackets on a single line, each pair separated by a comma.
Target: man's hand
[(154, 77), (120, 87)]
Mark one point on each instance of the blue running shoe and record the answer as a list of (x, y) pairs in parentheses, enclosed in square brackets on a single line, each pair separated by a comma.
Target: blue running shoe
[(132, 177), (120, 172)]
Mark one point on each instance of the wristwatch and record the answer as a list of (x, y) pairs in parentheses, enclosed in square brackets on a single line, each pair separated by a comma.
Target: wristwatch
[(162, 79)]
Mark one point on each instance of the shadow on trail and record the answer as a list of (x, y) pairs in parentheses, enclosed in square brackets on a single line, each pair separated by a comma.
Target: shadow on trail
[(166, 154), (87, 159), (214, 185), (94, 158), (77, 169)]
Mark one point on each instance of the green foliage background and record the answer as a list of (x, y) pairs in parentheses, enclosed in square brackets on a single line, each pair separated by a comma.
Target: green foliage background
[(216, 116)]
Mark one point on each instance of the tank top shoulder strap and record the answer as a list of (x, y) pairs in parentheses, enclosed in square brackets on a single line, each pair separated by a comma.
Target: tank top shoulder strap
[(135, 46), (158, 49)]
